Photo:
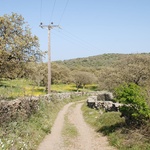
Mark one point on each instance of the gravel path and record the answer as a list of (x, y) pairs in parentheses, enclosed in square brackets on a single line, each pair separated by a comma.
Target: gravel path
[(87, 138)]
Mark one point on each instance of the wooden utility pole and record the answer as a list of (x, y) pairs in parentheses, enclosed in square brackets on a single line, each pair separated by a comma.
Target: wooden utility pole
[(49, 27)]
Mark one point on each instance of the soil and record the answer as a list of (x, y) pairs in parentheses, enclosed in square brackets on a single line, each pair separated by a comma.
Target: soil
[(87, 138)]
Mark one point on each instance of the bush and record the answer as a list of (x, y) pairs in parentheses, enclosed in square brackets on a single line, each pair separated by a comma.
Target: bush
[(135, 109)]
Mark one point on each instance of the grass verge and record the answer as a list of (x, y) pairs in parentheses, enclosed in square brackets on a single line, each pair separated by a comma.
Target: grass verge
[(119, 135), (26, 135)]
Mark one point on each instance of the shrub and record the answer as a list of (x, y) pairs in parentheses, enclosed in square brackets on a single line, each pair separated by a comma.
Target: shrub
[(135, 109)]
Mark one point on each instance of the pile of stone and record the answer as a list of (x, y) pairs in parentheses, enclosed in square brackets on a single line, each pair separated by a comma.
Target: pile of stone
[(103, 100)]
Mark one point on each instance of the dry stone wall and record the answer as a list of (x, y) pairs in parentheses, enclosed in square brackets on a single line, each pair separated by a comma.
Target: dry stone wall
[(23, 107), (20, 108)]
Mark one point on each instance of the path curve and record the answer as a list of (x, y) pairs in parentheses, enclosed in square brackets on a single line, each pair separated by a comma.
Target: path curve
[(88, 139)]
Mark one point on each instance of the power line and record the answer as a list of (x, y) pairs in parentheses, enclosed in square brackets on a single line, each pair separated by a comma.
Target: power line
[(41, 12), (81, 40), (78, 40), (63, 11), (52, 11), (75, 40)]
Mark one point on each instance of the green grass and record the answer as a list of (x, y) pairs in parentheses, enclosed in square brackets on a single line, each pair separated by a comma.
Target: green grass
[(69, 132), (69, 129), (63, 87), (72, 87), (119, 135), (28, 134), (101, 121), (11, 89), (91, 116)]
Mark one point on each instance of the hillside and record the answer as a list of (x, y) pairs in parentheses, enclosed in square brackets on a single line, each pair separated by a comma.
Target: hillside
[(96, 62)]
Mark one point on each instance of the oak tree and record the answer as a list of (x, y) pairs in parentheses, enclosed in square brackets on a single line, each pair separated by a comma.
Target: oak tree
[(17, 46)]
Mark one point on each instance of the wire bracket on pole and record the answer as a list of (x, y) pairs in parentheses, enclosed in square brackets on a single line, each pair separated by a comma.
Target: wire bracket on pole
[(49, 26)]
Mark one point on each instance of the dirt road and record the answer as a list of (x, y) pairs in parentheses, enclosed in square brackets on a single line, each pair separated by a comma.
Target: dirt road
[(86, 139)]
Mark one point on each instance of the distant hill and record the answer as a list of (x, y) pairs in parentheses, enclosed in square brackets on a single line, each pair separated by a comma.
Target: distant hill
[(95, 62)]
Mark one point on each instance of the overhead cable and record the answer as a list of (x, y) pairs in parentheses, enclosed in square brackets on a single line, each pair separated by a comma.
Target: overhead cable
[(52, 11), (80, 40), (76, 40), (41, 11), (63, 12)]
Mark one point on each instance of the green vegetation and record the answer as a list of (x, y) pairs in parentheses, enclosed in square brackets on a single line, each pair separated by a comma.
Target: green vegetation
[(92, 62), (97, 120), (18, 46), (121, 136), (72, 88), (29, 133), (135, 110), (69, 131), (81, 79), (22, 73), (111, 70), (11, 89)]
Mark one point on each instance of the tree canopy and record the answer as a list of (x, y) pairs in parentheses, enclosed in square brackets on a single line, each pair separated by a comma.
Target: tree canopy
[(17, 46), (82, 78)]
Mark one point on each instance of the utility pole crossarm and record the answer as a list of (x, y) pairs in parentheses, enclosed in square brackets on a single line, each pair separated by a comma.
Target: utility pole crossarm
[(49, 27)]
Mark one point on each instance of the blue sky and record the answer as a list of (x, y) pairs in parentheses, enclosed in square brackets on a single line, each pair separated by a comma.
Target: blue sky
[(89, 27)]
